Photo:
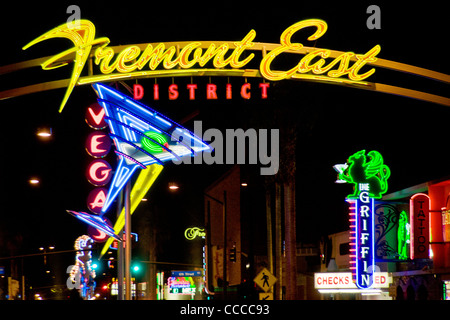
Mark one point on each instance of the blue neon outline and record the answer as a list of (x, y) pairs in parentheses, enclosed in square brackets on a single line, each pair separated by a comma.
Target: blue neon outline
[(155, 114), (139, 148), (183, 131), (143, 135), (149, 117), (117, 186), (121, 154), (95, 222), (372, 244)]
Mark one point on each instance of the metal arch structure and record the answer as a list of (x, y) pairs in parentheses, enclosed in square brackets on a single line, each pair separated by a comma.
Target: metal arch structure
[(197, 71)]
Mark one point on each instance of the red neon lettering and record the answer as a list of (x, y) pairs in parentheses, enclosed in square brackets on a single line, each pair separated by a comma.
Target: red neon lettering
[(173, 92), (211, 91), (100, 236), (192, 88), (156, 91), (264, 87), (98, 144), (95, 142), (99, 172), (96, 200), (138, 91), (97, 117), (229, 93), (245, 91)]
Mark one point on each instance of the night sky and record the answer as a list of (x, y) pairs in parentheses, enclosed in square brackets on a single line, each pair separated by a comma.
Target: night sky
[(332, 121)]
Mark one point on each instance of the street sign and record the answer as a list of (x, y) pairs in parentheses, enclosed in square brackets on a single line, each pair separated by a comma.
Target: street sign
[(115, 244), (265, 280), (194, 273), (2, 270)]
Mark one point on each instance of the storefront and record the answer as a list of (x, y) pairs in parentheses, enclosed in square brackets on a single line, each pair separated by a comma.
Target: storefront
[(425, 277), (340, 286)]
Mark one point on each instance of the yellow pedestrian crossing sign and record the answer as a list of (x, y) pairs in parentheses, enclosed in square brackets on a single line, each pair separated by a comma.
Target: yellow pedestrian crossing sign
[(265, 280)]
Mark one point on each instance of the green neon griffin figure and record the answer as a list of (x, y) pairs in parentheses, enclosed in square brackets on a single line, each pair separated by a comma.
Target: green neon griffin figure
[(366, 172)]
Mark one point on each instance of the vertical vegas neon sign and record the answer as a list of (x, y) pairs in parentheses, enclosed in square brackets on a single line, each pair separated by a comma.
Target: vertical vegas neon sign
[(98, 145), (369, 176)]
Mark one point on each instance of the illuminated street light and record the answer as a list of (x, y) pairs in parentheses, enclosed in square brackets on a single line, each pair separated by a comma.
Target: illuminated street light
[(173, 186), (244, 184), (45, 251), (34, 181), (44, 132)]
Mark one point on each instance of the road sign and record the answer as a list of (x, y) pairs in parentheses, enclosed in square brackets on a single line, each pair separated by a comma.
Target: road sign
[(266, 296), (265, 280), (194, 273)]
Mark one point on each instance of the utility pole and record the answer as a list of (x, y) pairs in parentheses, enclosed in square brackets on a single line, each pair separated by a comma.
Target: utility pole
[(127, 242), (225, 284), (120, 253), (278, 242)]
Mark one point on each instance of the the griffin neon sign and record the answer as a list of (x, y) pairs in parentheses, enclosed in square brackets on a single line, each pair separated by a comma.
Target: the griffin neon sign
[(362, 170), (368, 174), (153, 59)]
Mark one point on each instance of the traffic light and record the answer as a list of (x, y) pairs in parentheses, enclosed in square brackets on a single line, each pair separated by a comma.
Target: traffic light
[(233, 254), (96, 266), (136, 267)]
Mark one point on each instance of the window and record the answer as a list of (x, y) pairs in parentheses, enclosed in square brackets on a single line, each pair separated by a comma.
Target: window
[(344, 248)]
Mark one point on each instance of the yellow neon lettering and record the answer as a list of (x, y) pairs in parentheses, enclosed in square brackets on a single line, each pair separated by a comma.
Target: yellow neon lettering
[(103, 56), (240, 48), (127, 55), (319, 66), (83, 40), (149, 54), (304, 65), (155, 56), (343, 60), (158, 57), (362, 60), (286, 44), (184, 55)]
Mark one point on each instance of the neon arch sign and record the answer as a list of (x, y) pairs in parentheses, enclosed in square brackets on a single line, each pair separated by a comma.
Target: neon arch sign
[(183, 59)]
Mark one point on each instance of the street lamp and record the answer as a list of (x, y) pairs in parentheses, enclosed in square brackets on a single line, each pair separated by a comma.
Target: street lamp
[(44, 132), (173, 186), (34, 181), (45, 251)]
